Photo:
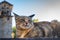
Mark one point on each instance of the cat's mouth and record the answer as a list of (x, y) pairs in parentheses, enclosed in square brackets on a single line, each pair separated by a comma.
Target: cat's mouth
[(25, 26)]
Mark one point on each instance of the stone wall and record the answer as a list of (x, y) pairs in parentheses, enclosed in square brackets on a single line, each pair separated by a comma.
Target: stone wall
[(5, 27)]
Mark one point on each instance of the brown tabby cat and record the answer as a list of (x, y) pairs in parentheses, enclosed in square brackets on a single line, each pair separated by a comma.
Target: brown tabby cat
[(26, 28)]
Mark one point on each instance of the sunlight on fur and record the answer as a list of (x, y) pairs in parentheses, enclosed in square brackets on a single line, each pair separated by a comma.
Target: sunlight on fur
[(25, 32)]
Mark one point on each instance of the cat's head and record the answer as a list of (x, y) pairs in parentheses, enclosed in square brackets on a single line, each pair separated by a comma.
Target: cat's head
[(24, 22)]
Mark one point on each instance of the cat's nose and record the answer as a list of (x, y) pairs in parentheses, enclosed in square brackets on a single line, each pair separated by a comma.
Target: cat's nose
[(26, 23)]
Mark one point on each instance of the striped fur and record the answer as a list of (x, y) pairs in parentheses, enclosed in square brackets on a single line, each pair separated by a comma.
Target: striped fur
[(40, 29)]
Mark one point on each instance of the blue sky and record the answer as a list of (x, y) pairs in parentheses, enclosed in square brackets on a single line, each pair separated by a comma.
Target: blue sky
[(44, 10)]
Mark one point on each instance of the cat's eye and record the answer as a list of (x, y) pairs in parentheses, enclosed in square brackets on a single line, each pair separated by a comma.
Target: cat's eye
[(29, 20), (22, 20)]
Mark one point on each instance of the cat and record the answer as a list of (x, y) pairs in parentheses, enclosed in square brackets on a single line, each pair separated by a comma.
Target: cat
[(26, 28)]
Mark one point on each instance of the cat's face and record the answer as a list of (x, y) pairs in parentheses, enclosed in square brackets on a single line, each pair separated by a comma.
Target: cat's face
[(23, 22)]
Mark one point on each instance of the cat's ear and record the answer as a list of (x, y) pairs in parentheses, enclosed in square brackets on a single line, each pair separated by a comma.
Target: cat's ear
[(15, 14), (32, 15)]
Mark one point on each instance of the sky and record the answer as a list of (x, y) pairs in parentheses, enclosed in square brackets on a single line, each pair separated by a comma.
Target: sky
[(44, 10)]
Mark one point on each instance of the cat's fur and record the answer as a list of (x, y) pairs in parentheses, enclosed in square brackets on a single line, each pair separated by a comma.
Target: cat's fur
[(39, 29), (56, 27)]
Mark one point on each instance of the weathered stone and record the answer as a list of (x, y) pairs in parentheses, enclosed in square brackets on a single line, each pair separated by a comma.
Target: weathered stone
[(5, 20), (5, 28)]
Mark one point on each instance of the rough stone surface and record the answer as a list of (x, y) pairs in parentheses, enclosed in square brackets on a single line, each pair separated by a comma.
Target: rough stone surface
[(5, 27)]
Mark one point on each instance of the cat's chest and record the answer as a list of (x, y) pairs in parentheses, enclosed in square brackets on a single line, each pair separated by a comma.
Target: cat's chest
[(23, 33)]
